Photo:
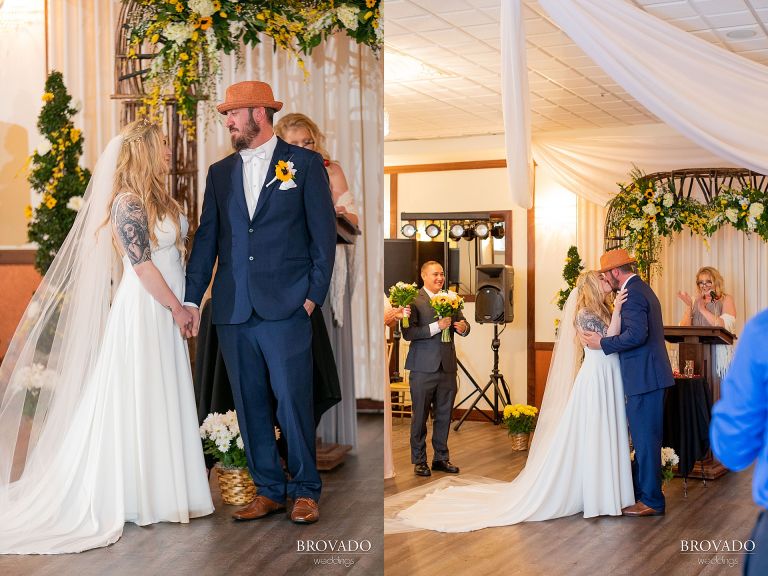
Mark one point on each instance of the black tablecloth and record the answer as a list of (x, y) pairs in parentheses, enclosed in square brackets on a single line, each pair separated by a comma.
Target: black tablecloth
[(212, 390), (687, 410)]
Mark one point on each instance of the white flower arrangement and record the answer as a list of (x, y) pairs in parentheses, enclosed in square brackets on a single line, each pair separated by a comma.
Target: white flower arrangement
[(668, 459), (203, 7), (222, 440), (35, 378), (347, 15), (75, 203)]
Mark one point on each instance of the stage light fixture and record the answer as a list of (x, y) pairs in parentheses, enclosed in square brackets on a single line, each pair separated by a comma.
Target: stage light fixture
[(433, 230), (481, 230), (498, 230), (408, 230), (469, 233), (456, 231)]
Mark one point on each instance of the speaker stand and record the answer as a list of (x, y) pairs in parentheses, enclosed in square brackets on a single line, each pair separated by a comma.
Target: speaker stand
[(499, 386)]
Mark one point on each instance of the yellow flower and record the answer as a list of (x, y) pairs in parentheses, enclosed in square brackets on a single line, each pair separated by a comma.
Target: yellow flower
[(74, 134), (205, 23), (283, 171), (183, 56), (223, 14), (368, 15), (49, 201), (47, 97), (195, 36), (370, 3), (179, 7), (216, 5), (155, 38), (28, 212)]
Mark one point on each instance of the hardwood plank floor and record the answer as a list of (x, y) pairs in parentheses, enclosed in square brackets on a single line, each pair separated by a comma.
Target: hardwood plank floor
[(351, 509), (722, 509)]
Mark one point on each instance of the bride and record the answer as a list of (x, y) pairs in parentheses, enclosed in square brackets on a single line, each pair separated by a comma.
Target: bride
[(98, 425), (579, 458)]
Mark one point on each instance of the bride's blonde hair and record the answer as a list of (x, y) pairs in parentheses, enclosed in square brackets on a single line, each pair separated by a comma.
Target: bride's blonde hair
[(142, 170), (592, 297)]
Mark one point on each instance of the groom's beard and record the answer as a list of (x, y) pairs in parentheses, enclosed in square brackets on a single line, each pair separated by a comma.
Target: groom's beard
[(241, 142), (614, 283)]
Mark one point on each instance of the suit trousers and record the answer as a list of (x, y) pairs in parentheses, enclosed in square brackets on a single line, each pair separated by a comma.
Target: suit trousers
[(266, 359), (756, 564), (645, 414), (436, 390)]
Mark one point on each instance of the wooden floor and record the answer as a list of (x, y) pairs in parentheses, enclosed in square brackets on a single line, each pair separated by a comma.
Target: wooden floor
[(351, 509), (722, 509)]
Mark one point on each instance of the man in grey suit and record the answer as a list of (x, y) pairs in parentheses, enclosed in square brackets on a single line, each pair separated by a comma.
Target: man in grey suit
[(432, 364)]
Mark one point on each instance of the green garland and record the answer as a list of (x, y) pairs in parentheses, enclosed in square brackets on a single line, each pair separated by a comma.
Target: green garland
[(573, 267), (55, 173), (187, 38)]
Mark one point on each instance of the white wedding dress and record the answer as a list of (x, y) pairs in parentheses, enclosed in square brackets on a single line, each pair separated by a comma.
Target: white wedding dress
[(132, 450), (578, 462)]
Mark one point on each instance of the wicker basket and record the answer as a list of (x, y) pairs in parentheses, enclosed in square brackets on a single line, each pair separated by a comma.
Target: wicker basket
[(235, 484), (520, 441)]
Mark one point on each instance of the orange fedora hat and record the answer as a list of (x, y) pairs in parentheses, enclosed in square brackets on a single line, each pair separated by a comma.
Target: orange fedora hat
[(615, 258), (249, 94)]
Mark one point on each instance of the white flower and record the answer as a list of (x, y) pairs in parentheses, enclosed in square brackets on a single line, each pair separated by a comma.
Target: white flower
[(235, 28), (239, 442), (669, 457), (732, 214), (33, 309), (321, 23), (756, 210), (347, 15), (668, 199), (75, 203), (35, 378), (650, 209), (223, 446), (44, 147), (637, 223), (178, 32), (203, 7)]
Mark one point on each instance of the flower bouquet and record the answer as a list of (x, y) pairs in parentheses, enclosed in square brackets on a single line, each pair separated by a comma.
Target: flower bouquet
[(520, 420), (402, 294), (33, 380), (446, 303), (744, 210), (668, 459), (222, 440)]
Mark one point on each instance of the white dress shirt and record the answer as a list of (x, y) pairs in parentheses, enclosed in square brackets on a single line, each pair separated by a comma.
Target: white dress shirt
[(256, 168), (433, 327)]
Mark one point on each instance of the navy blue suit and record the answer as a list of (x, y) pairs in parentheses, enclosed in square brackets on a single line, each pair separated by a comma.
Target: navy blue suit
[(646, 372), (267, 266)]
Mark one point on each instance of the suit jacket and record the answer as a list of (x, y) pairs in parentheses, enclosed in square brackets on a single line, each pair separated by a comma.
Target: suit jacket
[(427, 352), (274, 261), (643, 356)]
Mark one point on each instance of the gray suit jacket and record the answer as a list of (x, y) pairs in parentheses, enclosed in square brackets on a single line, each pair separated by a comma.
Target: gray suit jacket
[(427, 352)]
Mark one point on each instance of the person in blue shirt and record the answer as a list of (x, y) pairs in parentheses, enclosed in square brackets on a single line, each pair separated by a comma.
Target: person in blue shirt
[(739, 421)]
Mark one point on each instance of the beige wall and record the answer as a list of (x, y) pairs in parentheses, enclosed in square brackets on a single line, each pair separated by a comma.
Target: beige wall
[(22, 75)]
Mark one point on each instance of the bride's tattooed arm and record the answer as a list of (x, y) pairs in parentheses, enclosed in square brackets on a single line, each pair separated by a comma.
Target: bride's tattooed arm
[(589, 322), (130, 221)]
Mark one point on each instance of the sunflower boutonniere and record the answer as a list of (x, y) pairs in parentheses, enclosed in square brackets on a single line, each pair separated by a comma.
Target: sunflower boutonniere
[(284, 171)]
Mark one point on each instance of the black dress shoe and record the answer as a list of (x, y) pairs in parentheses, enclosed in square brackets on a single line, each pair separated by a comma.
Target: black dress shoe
[(445, 466), (422, 470)]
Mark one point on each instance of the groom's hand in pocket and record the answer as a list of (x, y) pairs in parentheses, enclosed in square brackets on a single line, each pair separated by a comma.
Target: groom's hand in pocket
[(194, 326)]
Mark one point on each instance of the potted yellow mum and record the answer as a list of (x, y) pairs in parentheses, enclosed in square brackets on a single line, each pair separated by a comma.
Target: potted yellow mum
[(520, 420)]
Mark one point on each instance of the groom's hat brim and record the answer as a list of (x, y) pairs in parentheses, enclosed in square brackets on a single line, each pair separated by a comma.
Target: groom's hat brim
[(615, 258)]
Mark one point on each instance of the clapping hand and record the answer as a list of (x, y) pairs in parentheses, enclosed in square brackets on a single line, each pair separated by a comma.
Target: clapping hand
[(686, 298)]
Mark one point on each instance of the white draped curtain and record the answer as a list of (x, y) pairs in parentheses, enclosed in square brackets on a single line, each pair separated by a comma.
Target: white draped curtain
[(343, 95)]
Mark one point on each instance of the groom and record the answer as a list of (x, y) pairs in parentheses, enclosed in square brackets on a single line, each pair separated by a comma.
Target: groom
[(646, 372), (269, 219)]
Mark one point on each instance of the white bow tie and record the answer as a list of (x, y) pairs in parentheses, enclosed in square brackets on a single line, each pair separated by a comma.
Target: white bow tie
[(250, 153)]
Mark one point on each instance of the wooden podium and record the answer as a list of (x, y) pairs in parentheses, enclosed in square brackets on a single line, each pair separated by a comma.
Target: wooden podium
[(697, 344)]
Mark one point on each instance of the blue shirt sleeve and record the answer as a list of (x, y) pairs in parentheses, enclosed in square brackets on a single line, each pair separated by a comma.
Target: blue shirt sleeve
[(739, 417)]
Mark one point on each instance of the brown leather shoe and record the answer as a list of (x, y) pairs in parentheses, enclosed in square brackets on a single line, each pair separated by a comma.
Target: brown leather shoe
[(260, 507), (305, 511), (640, 509)]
